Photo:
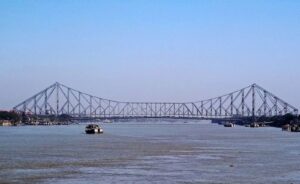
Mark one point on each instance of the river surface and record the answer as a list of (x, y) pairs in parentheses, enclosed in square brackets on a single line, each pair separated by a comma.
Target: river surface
[(149, 152)]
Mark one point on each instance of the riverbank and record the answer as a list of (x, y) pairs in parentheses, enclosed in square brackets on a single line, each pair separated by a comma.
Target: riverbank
[(11, 118)]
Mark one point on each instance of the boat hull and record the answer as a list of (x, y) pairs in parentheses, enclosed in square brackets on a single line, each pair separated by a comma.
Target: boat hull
[(93, 129)]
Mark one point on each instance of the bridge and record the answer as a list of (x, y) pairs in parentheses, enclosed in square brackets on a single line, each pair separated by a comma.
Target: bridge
[(251, 101)]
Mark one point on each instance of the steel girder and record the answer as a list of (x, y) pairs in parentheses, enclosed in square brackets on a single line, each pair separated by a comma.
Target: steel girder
[(251, 101)]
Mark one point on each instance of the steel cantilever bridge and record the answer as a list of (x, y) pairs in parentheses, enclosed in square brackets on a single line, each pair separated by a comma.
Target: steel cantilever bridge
[(251, 101)]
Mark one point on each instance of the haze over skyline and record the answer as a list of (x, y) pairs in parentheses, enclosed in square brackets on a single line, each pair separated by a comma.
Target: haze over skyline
[(149, 50)]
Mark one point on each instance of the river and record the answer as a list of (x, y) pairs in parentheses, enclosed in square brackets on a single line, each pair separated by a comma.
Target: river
[(149, 152)]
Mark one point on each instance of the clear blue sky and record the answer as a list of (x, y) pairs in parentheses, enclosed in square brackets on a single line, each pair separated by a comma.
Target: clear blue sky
[(160, 50)]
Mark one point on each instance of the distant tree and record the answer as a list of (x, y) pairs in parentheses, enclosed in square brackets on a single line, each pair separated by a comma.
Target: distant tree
[(52, 118), (24, 118), (288, 117), (9, 115)]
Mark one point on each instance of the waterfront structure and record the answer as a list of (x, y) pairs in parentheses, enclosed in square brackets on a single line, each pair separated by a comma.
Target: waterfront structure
[(5, 123)]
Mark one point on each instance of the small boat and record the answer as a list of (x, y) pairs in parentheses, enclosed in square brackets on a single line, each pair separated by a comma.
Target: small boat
[(261, 124), (295, 128), (254, 125), (107, 121), (227, 124), (291, 128), (286, 127), (93, 129)]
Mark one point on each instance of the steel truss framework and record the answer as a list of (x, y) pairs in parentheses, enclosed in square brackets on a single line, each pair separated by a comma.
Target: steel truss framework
[(251, 101)]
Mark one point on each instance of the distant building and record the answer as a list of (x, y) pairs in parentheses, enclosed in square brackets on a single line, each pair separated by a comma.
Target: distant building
[(5, 123)]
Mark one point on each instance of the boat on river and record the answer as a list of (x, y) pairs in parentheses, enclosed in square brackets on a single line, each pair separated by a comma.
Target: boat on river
[(107, 121), (254, 125), (93, 129), (228, 124), (291, 128)]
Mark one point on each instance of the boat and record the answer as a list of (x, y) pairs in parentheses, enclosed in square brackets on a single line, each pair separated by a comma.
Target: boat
[(291, 128), (107, 121), (228, 124), (286, 127), (254, 125), (93, 129), (295, 128)]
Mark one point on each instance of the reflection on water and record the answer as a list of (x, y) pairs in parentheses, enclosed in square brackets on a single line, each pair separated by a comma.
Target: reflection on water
[(152, 152)]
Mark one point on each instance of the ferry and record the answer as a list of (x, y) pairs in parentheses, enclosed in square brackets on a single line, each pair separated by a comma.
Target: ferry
[(93, 129)]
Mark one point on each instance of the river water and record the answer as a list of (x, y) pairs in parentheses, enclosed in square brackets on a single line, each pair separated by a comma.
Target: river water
[(149, 152)]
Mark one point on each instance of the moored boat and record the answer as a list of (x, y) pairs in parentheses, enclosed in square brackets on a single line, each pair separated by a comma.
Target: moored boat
[(254, 125), (228, 124), (295, 128), (291, 128), (286, 127), (93, 129)]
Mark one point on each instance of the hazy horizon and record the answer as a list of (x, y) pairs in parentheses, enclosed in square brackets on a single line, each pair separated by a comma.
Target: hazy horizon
[(149, 50)]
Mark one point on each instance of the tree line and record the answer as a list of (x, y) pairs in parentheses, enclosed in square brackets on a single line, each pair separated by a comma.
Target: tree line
[(10, 115)]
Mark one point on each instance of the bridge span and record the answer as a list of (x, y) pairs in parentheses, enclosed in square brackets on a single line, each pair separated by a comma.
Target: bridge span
[(251, 101)]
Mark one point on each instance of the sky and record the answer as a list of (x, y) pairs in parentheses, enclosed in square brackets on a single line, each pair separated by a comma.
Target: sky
[(158, 50)]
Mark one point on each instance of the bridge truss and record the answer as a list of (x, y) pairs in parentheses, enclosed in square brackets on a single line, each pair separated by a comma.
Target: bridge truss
[(251, 101)]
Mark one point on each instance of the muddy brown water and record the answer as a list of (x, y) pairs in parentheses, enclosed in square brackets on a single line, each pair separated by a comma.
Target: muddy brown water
[(149, 152)]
